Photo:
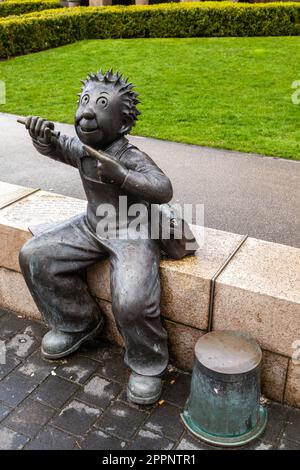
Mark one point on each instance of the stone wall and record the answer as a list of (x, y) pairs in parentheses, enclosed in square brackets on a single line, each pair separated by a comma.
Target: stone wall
[(257, 292)]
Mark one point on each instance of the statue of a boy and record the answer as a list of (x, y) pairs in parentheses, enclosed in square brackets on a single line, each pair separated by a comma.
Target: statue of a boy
[(53, 262)]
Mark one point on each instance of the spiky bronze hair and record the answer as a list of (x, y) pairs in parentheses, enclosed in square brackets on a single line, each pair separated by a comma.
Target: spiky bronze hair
[(123, 87)]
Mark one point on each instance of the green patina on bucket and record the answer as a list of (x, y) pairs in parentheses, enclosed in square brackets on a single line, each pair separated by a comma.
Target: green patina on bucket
[(224, 403)]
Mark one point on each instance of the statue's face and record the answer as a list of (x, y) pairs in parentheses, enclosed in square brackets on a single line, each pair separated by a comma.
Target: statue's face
[(99, 117)]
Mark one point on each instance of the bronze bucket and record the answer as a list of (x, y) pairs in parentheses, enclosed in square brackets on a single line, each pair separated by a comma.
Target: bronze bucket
[(224, 403)]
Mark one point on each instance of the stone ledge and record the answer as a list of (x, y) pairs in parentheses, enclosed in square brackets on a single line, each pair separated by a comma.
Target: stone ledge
[(15, 296), (185, 283), (273, 375), (258, 292), (292, 391), (36, 209), (9, 193)]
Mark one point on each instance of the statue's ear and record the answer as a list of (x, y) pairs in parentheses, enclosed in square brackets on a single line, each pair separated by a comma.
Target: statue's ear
[(126, 127)]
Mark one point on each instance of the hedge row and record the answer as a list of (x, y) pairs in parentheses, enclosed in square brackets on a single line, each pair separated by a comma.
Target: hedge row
[(51, 28), (20, 7)]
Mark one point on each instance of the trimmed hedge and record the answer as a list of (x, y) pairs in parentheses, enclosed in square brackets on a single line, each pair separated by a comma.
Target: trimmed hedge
[(52, 28), (20, 7)]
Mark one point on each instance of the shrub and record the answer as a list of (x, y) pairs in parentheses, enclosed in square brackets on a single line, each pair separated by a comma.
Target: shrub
[(51, 28), (19, 7)]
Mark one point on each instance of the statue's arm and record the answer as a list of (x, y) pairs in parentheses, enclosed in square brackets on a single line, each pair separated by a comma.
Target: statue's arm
[(52, 144), (145, 179), (63, 149)]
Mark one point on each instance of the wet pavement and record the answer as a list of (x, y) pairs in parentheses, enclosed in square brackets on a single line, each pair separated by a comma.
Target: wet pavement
[(80, 402)]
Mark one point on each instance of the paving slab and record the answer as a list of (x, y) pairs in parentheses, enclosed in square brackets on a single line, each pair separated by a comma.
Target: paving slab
[(292, 430), (98, 440), (10, 364), (4, 411), (11, 440), (54, 391), (14, 388), (147, 440), (121, 420), (165, 420), (99, 391), (76, 418), (37, 368), (48, 412), (190, 443), (29, 418), (53, 439), (76, 368)]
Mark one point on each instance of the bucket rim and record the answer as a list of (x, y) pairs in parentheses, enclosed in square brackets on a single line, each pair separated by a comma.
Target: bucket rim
[(227, 441)]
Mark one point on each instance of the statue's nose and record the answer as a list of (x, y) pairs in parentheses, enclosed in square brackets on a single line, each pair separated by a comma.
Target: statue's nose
[(88, 114)]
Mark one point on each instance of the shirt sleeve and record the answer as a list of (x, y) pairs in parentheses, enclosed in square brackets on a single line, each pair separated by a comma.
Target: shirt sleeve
[(64, 149), (144, 178)]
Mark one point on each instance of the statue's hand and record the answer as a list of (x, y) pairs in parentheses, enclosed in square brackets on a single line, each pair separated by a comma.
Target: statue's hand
[(108, 167), (40, 129)]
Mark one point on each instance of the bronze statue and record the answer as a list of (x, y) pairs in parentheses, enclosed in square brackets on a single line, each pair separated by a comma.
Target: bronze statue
[(53, 262)]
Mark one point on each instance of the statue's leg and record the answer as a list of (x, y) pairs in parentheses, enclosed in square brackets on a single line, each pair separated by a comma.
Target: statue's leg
[(135, 286), (53, 265)]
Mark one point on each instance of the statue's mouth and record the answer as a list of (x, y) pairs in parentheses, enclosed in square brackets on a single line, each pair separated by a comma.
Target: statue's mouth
[(88, 131), (88, 126)]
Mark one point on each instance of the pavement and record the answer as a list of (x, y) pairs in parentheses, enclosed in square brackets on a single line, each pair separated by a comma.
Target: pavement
[(242, 193), (80, 402)]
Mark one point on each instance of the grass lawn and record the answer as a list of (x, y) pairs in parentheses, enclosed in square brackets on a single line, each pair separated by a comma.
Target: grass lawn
[(233, 93)]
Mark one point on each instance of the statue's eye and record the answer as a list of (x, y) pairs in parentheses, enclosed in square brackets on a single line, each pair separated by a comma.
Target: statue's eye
[(102, 101), (85, 99)]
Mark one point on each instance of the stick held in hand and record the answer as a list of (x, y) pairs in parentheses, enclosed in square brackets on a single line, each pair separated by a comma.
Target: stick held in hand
[(97, 154)]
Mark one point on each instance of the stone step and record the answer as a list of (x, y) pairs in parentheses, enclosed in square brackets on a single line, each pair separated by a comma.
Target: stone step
[(258, 291)]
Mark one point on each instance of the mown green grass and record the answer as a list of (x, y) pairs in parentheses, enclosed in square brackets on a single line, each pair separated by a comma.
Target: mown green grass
[(233, 93)]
